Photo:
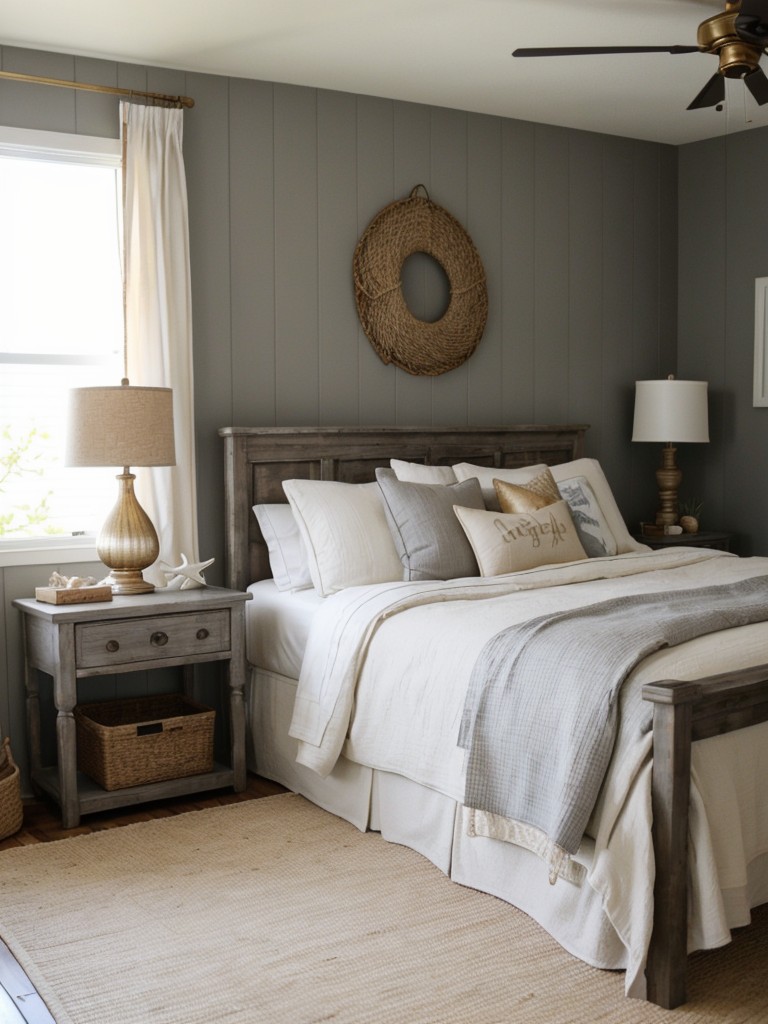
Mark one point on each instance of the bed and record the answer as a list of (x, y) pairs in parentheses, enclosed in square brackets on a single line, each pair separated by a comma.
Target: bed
[(675, 852)]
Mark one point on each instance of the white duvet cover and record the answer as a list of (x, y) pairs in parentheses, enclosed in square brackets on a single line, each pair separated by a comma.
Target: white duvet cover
[(384, 679)]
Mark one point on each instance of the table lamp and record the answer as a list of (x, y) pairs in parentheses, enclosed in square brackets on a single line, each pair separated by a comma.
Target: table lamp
[(670, 412), (123, 426)]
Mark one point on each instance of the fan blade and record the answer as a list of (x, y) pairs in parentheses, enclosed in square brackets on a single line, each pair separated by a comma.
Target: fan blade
[(757, 84), (753, 30), (575, 51), (712, 93), (751, 22)]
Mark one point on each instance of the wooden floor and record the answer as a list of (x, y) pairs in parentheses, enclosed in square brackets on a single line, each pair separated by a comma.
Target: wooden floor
[(42, 823), (19, 1003)]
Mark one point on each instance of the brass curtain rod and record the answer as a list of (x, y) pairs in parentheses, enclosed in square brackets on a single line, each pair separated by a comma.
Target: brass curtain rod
[(179, 101)]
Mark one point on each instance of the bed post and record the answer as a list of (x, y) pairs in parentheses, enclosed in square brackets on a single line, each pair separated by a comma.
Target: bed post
[(684, 712), (670, 795)]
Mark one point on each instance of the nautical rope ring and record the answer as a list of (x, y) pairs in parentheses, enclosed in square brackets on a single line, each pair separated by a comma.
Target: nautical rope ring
[(403, 228)]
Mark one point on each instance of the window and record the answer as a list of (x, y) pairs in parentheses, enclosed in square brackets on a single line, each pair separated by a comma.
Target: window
[(61, 322)]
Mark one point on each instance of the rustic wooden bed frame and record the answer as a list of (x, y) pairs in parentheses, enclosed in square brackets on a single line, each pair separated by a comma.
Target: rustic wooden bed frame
[(258, 459)]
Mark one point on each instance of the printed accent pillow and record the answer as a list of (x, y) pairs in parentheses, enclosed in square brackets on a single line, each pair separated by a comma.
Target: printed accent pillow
[(615, 535), (428, 537), (418, 473), (595, 534), (510, 542), (345, 533), (287, 554)]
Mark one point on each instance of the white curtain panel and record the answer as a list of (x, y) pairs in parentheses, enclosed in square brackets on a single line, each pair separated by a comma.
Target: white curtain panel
[(159, 314)]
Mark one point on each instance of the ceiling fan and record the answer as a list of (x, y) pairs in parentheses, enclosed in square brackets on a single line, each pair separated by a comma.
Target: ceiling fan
[(738, 36)]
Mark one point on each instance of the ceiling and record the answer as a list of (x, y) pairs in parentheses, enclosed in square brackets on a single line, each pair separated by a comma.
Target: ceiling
[(450, 53)]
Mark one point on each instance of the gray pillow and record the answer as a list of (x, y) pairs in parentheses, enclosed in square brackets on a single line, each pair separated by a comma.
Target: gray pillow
[(429, 538)]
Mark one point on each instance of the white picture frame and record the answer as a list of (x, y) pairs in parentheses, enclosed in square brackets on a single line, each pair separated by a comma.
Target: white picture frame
[(760, 379)]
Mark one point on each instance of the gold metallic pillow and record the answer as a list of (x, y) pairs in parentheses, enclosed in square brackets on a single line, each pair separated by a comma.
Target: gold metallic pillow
[(537, 493)]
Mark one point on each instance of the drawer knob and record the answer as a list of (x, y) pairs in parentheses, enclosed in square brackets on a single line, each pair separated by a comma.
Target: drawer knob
[(112, 646), (202, 634), (159, 639)]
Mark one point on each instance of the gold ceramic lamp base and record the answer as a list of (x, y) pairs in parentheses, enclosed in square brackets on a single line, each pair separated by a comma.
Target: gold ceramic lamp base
[(128, 542)]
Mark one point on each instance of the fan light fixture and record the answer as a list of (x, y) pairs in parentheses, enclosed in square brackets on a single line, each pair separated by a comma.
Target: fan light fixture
[(123, 426), (738, 36), (670, 412)]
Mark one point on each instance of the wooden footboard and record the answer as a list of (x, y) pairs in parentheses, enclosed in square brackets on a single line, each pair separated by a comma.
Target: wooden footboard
[(683, 712)]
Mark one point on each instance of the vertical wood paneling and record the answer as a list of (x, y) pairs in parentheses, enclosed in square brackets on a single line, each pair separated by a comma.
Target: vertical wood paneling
[(96, 113), (702, 275), (296, 256), (550, 254), (517, 271), (251, 217), (412, 166), (646, 296), (618, 303), (484, 225), (450, 189), (375, 188), (667, 254), (337, 237), (24, 105), (206, 132), (585, 299)]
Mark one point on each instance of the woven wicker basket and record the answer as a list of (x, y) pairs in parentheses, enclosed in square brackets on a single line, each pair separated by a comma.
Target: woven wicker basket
[(11, 809), (123, 743)]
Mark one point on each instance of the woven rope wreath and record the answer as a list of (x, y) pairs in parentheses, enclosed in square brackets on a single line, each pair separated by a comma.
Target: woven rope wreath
[(405, 227)]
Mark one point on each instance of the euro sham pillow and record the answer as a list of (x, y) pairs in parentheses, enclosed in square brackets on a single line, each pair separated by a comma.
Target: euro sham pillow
[(345, 533), (427, 535), (521, 476), (419, 473), (511, 542), (287, 554)]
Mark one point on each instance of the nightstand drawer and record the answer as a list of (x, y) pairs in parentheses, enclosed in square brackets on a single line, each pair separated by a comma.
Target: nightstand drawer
[(151, 639)]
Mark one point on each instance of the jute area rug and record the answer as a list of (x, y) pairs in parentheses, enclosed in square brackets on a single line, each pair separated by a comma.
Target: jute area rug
[(275, 911)]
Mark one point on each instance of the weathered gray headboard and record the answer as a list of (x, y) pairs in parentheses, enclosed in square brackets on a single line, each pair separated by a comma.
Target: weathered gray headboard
[(258, 459)]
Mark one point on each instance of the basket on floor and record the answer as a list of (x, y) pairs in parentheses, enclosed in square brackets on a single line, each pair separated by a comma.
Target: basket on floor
[(11, 809), (133, 742)]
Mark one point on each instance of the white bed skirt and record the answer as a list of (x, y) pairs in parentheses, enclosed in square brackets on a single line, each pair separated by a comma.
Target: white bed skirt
[(431, 823)]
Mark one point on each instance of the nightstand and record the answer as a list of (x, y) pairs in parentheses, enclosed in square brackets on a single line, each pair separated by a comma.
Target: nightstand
[(141, 631), (703, 539)]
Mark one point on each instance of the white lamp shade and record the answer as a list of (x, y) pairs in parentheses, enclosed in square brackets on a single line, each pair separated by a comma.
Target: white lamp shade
[(120, 426), (671, 411)]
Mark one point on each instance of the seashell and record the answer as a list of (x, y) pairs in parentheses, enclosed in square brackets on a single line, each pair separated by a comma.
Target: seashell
[(690, 524)]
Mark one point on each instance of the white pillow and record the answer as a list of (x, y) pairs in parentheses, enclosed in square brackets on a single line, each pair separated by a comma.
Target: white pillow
[(345, 532), (591, 470), (512, 541), (487, 474), (287, 554), (418, 473)]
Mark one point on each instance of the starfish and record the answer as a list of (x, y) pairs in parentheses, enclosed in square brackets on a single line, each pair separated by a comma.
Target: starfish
[(186, 576)]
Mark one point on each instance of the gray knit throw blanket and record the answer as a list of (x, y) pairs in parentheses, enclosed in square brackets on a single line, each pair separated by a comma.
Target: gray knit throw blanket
[(541, 711)]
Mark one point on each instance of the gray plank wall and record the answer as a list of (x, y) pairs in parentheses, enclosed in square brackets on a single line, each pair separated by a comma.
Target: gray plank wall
[(577, 232), (723, 248)]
